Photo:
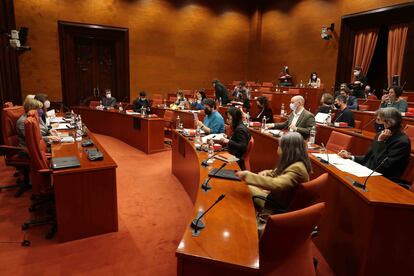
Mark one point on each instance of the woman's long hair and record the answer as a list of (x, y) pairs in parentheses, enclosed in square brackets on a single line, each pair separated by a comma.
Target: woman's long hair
[(236, 116), (293, 150)]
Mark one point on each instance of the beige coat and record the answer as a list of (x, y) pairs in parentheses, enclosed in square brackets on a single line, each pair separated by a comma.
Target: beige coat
[(282, 186)]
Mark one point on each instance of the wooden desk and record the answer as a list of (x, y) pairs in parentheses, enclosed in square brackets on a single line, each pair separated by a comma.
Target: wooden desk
[(86, 198), (186, 116), (361, 233), (366, 116), (145, 134), (229, 243), (375, 104)]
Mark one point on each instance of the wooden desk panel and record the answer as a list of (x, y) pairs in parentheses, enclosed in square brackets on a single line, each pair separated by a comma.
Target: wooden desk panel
[(145, 134), (375, 104), (365, 118), (186, 116), (86, 197), (229, 243), (361, 233)]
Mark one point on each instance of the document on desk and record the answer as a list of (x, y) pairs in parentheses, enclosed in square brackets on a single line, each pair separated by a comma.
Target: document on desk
[(56, 120), (346, 165), (274, 132), (215, 137), (63, 127)]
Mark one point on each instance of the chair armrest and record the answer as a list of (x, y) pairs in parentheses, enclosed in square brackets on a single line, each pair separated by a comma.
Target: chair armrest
[(10, 150)]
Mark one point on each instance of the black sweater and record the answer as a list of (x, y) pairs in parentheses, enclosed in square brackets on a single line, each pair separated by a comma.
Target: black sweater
[(238, 143)]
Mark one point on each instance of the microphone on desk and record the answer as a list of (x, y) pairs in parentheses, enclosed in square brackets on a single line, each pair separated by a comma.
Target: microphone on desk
[(363, 186), (204, 163), (205, 186), (364, 126), (327, 155), (197, 224)]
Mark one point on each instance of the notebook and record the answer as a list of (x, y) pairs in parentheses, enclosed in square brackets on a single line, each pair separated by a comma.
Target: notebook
[(64, 162), (225, 174)]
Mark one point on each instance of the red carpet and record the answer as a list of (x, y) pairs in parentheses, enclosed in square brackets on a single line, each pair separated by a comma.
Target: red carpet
[(153, 211)]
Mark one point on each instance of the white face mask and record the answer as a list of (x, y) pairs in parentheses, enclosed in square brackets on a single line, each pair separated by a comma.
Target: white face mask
[(46, 104), (293, 106), (108, 96), (356, 73)]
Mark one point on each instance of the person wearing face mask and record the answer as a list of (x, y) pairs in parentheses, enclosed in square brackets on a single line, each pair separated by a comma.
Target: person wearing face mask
[(393, 99), (140, 102), (43, 98), (341, 86), (278, 184), (344, 114), (108, 101), (327, 101), (239, 140), (200, 97), (240, 92), (390, 142), (360, 81), (299, 120), (213, 121), (263, 105), (314, 81), (351, 101)]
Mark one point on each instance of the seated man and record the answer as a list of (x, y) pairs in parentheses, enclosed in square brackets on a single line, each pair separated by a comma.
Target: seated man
[(393, 99), (344, 114), (240, 92), (108, 101), (391, 146), (140, 102), (213, 121), (300, 119), (351, 101)]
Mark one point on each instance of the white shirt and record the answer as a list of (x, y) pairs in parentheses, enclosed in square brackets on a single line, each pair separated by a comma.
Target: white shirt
[(296, 117)]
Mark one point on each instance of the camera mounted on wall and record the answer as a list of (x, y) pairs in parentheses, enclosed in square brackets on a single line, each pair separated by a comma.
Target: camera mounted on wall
[(18, 39), (326, 32)]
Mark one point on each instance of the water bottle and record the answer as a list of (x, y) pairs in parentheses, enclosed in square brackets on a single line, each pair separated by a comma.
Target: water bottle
[(220, 101), (198, 135), (210, 150), (165, 102), (177, 123), (142, 111), (329, 118), (301, 84), (247, 118), (80, 122), (263, 124), (282, 110), (312, 136)]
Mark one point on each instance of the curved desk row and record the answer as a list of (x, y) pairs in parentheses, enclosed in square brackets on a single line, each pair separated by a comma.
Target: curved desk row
[(145, 134), (361, 233), (229, 243)]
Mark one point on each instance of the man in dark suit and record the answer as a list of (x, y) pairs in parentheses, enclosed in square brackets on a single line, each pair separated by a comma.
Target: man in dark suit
[(351, 101), (140, 102), (108, 100), (220, 91), (344, 114), (300, 119), (391, 146)]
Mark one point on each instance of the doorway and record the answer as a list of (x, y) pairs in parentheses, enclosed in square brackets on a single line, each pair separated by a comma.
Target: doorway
[(94, 58)]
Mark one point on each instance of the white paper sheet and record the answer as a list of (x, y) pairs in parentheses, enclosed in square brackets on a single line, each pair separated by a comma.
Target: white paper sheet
[(67, 139), (56, 120), (215, 137), (346, 165), (63, 126)]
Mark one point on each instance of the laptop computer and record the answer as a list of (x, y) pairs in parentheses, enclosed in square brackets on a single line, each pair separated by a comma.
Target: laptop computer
[(64, 162), (225, 174)]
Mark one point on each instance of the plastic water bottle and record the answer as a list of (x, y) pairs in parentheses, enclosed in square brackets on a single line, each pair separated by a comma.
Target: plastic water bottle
[(220, 101), (282, 110), (248, 118), (263, 124), (210, 150), (301, 84), (178, 123), (312, 136), (197, 135), (165, 102), (329, 119)]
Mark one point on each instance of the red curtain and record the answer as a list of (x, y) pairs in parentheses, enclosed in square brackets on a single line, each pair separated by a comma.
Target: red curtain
[(364, 46), (397, 37)]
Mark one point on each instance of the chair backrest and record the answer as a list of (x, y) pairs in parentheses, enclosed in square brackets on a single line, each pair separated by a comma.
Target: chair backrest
[(339, 141), (409, 130), (33, 142), (8, 122), (246, 156), (309, 193), (285, 247), (363, 107), (372, 97), (7, 104), (357, 124), (93, 104), (235, 82), (156, 99), (168, 117), (408, 174), (410, 109)]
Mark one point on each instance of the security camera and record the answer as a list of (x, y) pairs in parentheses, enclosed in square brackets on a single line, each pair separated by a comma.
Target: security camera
[(324, 34)]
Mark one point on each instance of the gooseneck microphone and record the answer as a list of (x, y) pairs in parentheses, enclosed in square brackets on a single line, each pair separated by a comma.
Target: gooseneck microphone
[(364, 126), (340, 115), (363, 186), (205, 186), (327, 155), (197, 224), (204, 163)]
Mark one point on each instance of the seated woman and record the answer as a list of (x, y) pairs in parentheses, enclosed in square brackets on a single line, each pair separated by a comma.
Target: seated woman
[(200, 97), (278, 185), (314, 81), (237, 144), (181, 102), (141, 102), (389, 153), (393, 99), (263, 105), (327, 100), (44, 99)]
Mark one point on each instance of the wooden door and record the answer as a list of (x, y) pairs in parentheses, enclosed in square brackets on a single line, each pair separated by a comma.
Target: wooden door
[(93, 59)]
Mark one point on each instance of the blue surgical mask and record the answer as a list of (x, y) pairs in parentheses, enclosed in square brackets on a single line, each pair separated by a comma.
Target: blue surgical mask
[(379, 127), (293, 106), (40, 112)]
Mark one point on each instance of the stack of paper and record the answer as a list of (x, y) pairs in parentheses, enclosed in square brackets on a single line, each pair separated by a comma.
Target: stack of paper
[(346, 165), (63, 126), (215, 137), (57, 120)]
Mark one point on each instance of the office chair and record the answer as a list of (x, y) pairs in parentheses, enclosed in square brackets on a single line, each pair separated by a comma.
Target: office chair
[(285, 247), (41, 175), (246, 156), (339, 141), (10, 148)]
